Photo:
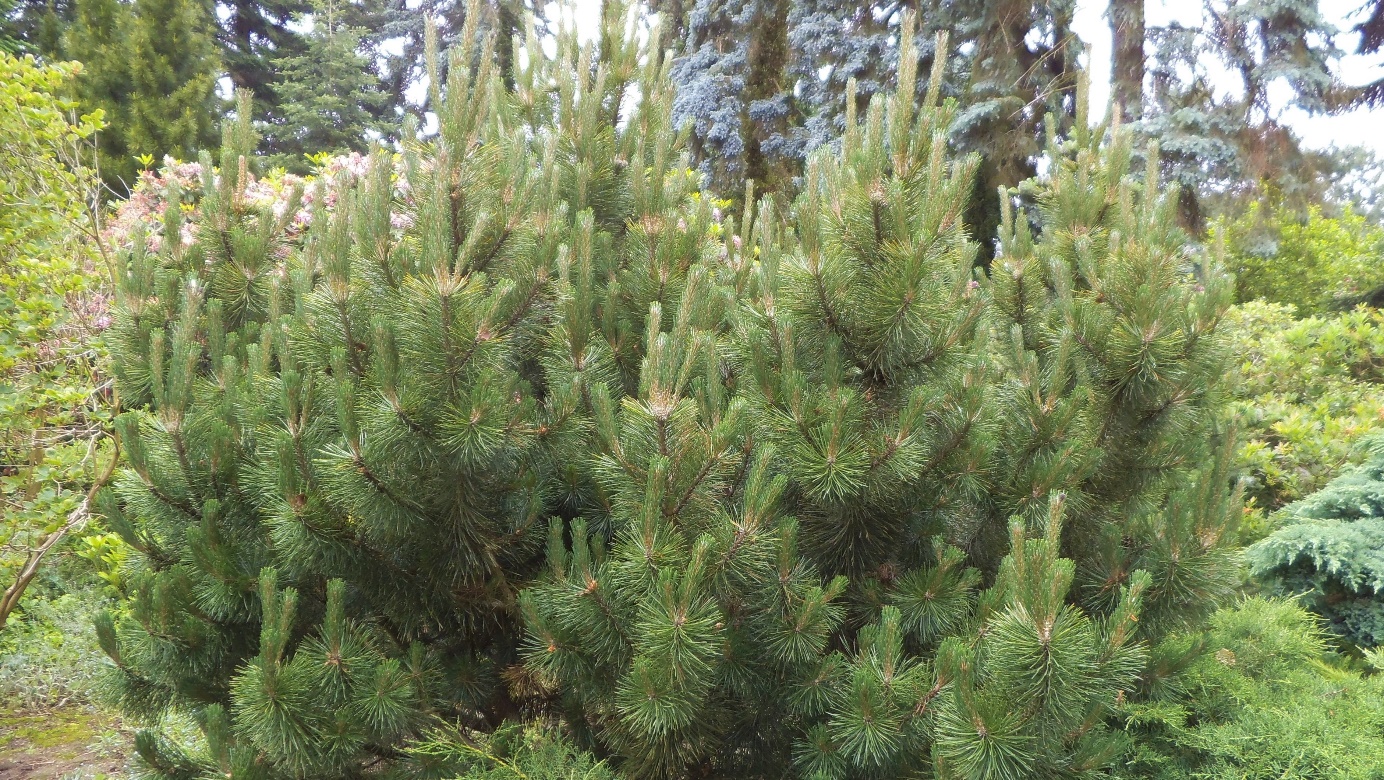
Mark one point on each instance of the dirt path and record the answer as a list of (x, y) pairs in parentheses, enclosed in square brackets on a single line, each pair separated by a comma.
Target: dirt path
[(73, 742)]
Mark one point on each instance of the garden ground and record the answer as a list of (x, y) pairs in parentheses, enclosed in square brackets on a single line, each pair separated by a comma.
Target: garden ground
[(66, 742)]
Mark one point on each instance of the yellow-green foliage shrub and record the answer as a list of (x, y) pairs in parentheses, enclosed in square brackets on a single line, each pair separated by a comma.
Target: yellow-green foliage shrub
[(50, 305), (1267, 700), (1309, 390), (1317, 263)]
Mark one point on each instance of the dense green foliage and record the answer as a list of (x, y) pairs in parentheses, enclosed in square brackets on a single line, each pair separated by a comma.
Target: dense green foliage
[(1309, 400), (1330, 547), (1317, 263), (98, 38), (1308, 390), (151, 67), (501, 451), (173, 66), (1266, 701), (49, 303), (520, 425), (512, 751)]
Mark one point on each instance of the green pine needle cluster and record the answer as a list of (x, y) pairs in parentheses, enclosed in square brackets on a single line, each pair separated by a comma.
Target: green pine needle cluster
[(524, 428)]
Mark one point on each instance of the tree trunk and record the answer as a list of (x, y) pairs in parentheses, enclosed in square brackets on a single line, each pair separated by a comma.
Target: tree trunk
[(1005, 76), (1126, 19), (768, 75)]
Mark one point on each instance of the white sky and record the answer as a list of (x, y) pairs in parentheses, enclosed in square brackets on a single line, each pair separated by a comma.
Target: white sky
[(1356, 128)]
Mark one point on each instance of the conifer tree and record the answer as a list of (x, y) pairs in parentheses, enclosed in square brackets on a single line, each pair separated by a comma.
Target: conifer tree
[(522, 427), (151, 67), (10, 42), (340, 479), (865, 575), (254, 33), (1328, 551), (35, 26), (1022, 77), (1223, 147), (764, 83), (99, 39), (1128, 328), (1127, 37), (173, 66), (328, 96), (835, 41), (736, 90)]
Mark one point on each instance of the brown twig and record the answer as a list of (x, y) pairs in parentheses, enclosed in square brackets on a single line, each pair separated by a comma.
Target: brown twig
[(75, 519)]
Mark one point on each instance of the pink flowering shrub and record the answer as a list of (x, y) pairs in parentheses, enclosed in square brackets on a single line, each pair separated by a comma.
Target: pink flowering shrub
[(144, 209)]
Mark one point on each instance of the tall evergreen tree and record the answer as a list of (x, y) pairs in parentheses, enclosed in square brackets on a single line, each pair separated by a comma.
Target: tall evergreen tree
[(765, 82), (256, 38), (1127, 58), (10, 42), (35, 26), (1022, 75), (151, 66), (1371, 41), (1221, 147), (99, 39), (329, 96), (522, 427), (254, 33), (834, 43), (173, 66), (734, 87)]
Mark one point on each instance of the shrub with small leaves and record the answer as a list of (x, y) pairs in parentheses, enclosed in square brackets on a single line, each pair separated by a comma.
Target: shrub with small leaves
[(1309, 390), (1266, 700), (48, 652), (51, 304), (1316, 262)]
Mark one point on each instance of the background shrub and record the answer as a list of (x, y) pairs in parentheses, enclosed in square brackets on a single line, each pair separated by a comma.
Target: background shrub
[(1309, 390), (48, 652), (1316, 262), (1266, 700), (1330, 549)]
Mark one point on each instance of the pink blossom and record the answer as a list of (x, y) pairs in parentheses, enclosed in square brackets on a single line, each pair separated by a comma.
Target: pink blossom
[(147, 202)]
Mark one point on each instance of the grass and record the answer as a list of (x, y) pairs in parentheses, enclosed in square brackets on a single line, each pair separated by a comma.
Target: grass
[(61, 733)]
